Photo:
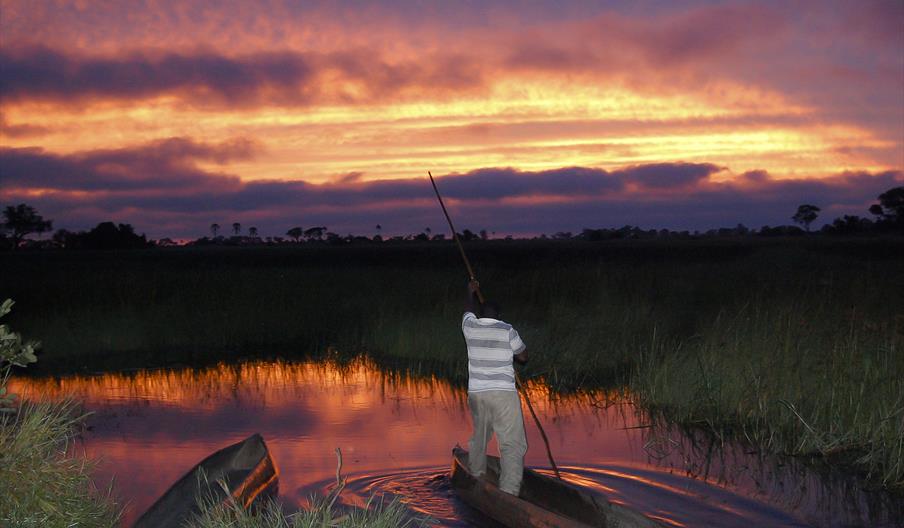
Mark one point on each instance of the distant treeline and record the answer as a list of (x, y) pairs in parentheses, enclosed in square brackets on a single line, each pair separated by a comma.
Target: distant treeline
[(106, 235), (22, 220)]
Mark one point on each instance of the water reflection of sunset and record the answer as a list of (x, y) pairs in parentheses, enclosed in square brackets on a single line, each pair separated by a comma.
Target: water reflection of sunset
[(395, 432), (149, 427)]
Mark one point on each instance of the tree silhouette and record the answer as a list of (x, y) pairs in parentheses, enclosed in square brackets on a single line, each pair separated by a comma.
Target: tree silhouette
[(252, 231), (805, 215), (214, 229), (295, 232), (106, 235), (876, 210), (315, 232), (236, 228), (850, 225), (22, 220), (62, 236), (891, 205)]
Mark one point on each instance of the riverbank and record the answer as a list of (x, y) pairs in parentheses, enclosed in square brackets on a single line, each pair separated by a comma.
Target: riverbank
[(794, 344)]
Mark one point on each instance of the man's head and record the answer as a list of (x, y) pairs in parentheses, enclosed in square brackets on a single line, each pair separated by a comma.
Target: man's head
[(489, 309)]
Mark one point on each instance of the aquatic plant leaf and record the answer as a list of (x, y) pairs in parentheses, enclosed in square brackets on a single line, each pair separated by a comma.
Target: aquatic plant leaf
[(12, 351), (6, 307)]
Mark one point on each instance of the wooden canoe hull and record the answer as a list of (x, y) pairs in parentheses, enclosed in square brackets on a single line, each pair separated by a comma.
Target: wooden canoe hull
[(247, 469), (544, 502)]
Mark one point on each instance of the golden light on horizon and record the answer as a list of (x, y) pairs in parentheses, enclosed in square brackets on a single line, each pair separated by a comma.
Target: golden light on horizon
[(528, 125)]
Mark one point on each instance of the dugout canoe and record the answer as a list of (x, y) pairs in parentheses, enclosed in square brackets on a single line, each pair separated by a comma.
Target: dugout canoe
[(544, 502), (246, 468)]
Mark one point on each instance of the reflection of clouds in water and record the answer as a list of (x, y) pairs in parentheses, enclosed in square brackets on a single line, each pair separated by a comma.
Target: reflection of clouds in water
[(149, 427)]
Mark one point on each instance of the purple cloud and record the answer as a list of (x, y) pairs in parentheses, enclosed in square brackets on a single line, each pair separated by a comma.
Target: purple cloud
[(668, 175), (211, 78), (42, 73), (162, 165), (161, 190), (494, 184)]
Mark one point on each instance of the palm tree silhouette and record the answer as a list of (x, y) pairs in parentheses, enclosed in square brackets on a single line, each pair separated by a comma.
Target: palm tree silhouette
[(214, 228), (236, 228)]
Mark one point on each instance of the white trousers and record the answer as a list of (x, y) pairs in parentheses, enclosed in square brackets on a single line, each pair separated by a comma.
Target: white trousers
[(499, 412)]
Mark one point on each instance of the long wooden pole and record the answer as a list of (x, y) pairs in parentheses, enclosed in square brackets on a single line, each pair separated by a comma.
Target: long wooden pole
[(464, 257), (542, 432), (457, 241)]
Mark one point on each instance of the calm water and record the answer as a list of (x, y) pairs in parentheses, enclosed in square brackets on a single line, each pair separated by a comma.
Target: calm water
[(396, 435)]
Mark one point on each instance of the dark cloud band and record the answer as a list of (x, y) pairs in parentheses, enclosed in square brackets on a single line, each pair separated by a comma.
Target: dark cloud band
[(42, 73), (209, 78), (161, 189)]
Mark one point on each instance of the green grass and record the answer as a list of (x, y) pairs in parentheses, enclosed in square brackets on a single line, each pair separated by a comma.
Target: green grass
[(794, 345), (767, 375), (322, 514), (43, 484)]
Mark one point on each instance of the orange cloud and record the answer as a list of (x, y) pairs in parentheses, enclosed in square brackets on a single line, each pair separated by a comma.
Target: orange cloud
[(388, 91)]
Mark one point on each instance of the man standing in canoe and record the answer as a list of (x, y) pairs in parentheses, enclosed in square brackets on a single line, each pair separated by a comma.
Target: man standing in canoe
[(492, 395)]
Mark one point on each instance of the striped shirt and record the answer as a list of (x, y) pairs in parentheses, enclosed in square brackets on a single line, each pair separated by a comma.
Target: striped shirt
[(491, 346)]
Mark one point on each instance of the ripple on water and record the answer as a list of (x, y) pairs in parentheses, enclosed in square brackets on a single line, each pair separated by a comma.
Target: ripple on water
[(671, 499), (424, 491)]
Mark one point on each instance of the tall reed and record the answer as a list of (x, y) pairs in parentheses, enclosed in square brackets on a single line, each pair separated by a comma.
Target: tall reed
[(787, 381)]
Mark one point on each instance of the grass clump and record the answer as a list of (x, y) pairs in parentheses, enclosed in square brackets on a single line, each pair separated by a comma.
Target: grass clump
[(834, 390), (322, 514), (41, 483)]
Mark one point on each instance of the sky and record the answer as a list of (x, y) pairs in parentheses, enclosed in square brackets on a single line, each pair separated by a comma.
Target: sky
[(535, 117)]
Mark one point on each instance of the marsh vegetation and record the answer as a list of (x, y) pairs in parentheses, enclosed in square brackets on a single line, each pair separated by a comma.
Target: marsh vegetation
[(790, 344)]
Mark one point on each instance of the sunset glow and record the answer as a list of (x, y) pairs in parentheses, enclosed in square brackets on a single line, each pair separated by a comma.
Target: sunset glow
[(108, 111)]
